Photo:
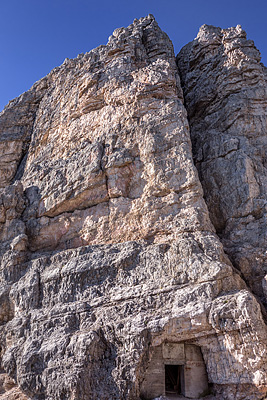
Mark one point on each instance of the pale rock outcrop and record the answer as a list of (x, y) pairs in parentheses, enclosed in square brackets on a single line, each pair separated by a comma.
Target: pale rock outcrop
[(107, 250), (225, 89), (110, 156)]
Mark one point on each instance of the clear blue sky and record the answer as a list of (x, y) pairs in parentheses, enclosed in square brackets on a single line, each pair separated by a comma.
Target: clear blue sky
[(37, 35)]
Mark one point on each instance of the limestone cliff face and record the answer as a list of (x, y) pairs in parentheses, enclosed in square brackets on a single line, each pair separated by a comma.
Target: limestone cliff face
[(225, 89), (110, 156), (108, 255)]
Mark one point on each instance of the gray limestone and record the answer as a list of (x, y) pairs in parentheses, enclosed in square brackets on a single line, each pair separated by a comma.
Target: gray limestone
[(110, 265)]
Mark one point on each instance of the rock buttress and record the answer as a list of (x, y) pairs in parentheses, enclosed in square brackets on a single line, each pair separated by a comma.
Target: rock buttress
[(225, 89)]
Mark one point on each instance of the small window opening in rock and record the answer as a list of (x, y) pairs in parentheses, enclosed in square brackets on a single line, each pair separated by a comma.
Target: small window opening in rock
[(174, 379)]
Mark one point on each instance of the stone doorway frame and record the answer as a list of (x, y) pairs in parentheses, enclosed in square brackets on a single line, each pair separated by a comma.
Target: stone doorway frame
[(180, 372), (189, 356)]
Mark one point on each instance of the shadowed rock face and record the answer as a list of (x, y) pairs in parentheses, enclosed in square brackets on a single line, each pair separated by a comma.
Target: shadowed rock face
[(107, 249), (225, 92)]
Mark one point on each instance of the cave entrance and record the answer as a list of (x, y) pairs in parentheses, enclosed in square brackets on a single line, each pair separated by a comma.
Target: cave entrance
[(174, 379), (175, 369)]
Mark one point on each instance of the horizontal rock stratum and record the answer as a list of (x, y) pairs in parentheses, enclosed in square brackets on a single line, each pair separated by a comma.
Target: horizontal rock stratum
[(133, 223)]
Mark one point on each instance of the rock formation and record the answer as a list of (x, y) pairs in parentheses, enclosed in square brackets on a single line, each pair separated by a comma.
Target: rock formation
[(112, 275), (225, 89)]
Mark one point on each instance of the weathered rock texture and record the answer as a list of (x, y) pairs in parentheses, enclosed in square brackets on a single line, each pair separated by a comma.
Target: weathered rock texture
[(107, 249), (225, 89)]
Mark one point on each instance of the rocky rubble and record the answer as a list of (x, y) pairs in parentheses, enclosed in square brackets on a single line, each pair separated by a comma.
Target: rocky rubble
[(107, 248)]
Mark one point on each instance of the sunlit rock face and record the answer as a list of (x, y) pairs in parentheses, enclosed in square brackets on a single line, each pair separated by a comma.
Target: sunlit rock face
[(107, 252), (110, 157), (225, 92)]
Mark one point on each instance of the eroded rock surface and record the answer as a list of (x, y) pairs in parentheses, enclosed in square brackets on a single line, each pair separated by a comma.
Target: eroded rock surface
[(107, 249), (110, 156), (225, 88), (16, 126)]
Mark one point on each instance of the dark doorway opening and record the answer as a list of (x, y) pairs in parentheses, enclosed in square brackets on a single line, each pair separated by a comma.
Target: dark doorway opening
[(174, 379)]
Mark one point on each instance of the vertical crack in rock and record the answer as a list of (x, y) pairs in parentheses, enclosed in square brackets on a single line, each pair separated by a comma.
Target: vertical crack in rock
[(16, 126), (225, 92), (110, 266)]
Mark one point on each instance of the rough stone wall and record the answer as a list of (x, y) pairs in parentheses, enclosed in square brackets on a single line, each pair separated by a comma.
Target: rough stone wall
[(107, 249), (225, 93)]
